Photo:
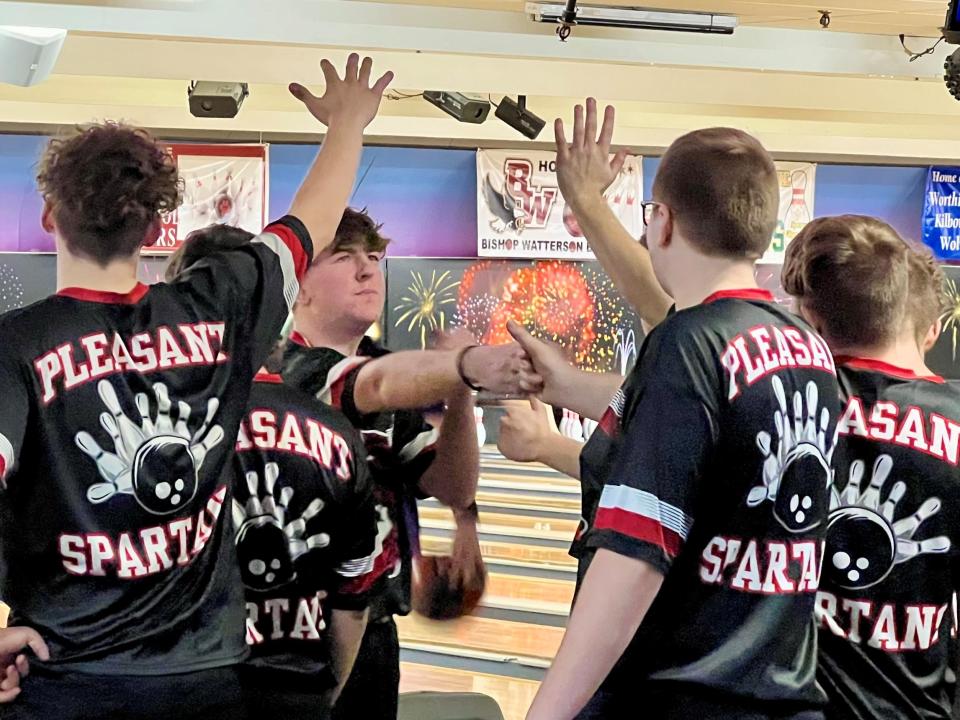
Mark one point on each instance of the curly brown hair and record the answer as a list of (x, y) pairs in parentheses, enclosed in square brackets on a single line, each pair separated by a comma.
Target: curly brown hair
[(107, 185)]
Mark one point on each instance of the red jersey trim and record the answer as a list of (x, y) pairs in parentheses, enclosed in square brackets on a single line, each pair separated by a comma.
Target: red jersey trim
[(288, 236), (640, 528), (265, 377), (109, 298), (744, 294), (859, 363), (298, 339)]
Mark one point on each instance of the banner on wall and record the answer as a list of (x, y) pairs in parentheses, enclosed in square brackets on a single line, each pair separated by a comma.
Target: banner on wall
[(941, 212), (797, 188), (521, 214), (221, 184)]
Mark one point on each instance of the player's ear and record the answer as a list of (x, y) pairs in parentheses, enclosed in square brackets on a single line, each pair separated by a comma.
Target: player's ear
[(933, 334)]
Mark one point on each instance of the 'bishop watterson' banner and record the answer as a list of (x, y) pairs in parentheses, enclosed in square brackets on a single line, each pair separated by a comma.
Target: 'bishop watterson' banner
[(521, 214), (941, 212)]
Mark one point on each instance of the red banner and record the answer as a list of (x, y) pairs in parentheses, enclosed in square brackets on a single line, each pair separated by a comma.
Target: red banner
[(221, 184)]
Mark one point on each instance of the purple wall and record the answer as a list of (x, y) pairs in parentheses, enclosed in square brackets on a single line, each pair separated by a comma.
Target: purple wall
[(426, 200)]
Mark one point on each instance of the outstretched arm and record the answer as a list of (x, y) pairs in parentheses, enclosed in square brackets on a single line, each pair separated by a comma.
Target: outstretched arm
[(421, 378), (346, 107), (584, 172)]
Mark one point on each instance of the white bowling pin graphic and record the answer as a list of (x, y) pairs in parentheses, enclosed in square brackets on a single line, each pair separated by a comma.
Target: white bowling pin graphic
[(481, 430), (798, 214)]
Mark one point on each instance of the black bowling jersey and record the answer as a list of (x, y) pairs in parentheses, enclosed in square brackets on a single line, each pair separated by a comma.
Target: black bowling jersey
[(305, 529), (720, 449), (400, 448), (892, 561), (117, 424)]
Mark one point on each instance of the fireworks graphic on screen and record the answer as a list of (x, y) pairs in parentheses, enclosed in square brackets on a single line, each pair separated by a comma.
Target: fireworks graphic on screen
[(613, 348), (951, 318), (11, 289), (553, 301), (480, 293), (426, 305)]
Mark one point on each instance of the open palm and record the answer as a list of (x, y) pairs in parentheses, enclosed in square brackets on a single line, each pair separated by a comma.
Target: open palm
[(347, 99)]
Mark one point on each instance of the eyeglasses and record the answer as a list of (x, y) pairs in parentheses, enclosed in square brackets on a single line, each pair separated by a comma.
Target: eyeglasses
[(648, 211)]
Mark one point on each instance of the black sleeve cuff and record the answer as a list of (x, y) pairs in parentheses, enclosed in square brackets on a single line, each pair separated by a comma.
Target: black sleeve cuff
[(628, 547)]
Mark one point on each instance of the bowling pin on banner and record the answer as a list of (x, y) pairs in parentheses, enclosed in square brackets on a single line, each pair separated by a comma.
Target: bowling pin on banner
[(798, 214)]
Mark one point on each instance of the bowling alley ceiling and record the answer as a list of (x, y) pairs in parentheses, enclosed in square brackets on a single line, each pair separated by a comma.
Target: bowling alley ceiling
[(885, 17), (846, 93)]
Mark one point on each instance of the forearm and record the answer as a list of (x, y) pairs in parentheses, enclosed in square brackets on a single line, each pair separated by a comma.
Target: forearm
[(624, 259), (324, 193), (614, 598), (346, 632), (407, 380), (585, 393), (452, 476), (562, 454)]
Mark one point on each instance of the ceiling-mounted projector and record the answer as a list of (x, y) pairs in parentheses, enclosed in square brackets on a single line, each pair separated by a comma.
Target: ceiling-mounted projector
[(28, 54), (635, 18)]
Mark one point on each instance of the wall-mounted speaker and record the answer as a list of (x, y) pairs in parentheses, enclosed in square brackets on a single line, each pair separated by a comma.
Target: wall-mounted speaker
[(27, 54)]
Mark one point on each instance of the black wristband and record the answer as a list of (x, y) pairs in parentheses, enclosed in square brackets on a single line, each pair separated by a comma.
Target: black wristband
[(463, 376)]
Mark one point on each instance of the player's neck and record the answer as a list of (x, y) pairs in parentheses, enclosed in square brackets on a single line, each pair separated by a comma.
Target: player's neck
[(120, 276), (702, 277), (320, 334), (902, 352)]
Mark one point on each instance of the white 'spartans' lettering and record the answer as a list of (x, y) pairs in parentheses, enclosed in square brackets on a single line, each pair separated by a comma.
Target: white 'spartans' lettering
[(306, 437), (98, 355), (765, 349), (770, 567), (883, 626), (285, 618), (139, 553)]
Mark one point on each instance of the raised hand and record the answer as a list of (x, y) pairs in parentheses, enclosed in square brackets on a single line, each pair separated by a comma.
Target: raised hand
[(347, 100), (584, 167), (14, 664)]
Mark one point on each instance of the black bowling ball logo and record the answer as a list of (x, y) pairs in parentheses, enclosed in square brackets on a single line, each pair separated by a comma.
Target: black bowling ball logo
[(157, 460), (268, 546), (796, 471), (864, 541)]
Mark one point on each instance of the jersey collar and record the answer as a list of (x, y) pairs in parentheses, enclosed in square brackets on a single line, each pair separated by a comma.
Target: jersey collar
[(858, 363), (298, 339), (744, 294), (109, 298), (265, 377)]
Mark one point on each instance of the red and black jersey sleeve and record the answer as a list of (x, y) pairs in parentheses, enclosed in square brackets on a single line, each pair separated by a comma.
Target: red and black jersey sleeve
[(14, 411), (669, 429), (255, 285), (356, 533)]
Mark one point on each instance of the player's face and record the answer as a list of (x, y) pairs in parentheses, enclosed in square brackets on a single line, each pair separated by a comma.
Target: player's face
[(348, 284)]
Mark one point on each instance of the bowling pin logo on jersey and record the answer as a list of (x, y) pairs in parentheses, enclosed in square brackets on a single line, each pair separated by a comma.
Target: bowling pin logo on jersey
[(157, 461), (864, 541), (796, 469), (267, 544)]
